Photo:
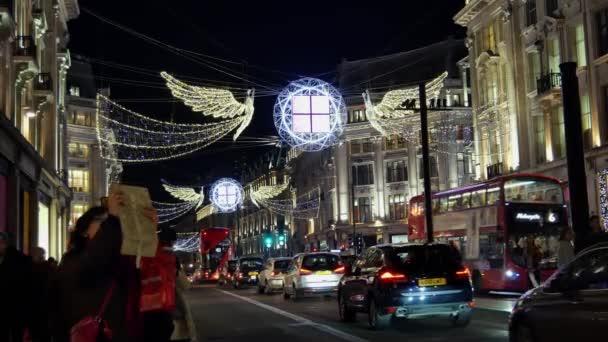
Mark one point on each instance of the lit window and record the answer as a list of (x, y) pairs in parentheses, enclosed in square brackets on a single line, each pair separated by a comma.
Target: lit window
[(79, 180), (74, 91), (311, 114), (581, 53), (78, 209)]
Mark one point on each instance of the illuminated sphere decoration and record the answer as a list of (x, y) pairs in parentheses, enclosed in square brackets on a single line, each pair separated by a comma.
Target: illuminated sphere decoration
[(309, 114), (226, 194)]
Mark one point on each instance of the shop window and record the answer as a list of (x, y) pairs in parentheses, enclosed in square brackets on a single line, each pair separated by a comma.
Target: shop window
[(43, 226)]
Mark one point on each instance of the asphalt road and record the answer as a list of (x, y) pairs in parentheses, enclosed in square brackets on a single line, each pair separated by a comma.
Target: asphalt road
[(225, 314)]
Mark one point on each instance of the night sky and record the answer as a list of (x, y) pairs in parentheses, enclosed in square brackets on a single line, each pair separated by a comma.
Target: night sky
[(267, 42)]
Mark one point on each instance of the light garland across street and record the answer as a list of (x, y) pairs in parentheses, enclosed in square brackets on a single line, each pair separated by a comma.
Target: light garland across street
[(130, 137), (189, 243), (267, 192), (187, 194), (170, 211), (305, 207)]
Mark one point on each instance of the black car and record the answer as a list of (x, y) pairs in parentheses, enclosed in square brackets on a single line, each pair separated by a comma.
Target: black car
[(247, 271), (406, 281), (572, 305)]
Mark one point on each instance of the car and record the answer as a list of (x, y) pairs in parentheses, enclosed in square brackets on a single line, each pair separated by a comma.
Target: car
[(247, 271), (226, 275), (572, 305), (271, 277), (313, 274), (408, 281)]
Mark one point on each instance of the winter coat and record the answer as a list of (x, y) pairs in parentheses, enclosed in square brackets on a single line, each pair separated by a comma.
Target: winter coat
[(15, 287), (83, 279)]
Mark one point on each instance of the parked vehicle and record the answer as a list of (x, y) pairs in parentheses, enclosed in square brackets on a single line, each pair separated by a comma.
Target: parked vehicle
[(408, 281), (271, 277), (227, 273), (247, 271), (313, 274), (572, 305)]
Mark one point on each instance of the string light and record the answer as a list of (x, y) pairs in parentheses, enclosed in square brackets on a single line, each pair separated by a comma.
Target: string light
[(305, 207), (214, 102), (170, 211), (603, 175), (187, 242), (130, 137)]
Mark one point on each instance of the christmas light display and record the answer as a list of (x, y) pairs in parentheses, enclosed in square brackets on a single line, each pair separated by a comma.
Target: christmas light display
[(309, 114), (187, 242), (130, 137), (170, 211), (603, 180), (215, 102), (305, 207), (185, 193), (226, 194), (267, 192)]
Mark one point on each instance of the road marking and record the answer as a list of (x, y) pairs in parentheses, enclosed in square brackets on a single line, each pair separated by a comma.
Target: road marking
[(299, 319)]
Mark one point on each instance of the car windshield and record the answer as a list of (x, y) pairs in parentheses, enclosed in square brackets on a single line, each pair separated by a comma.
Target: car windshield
[(321, 262), (429, 257), (281, 265), (251, 264)]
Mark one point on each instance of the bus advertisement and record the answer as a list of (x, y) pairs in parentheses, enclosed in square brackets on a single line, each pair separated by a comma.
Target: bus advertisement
[(506, 229)]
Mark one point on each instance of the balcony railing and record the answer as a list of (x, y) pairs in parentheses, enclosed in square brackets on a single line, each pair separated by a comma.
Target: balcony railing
[(24, 46), (548, 82), (43, 82), (494, 170)]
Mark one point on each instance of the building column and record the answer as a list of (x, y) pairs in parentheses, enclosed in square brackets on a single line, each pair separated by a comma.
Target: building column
[(379, 179), (548, 136), (465, 91), (343, 181), (412, 168), (453, 165)]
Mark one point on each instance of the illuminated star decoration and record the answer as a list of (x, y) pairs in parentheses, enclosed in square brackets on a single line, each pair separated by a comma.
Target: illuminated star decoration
[(226, 194), (309, 114), (215, 102), (305, 206), (267, 192), (129, 137)]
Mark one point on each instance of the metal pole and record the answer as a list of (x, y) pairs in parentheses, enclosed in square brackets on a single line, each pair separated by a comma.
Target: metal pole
[(352, 200), (575, 153), (425, 163)]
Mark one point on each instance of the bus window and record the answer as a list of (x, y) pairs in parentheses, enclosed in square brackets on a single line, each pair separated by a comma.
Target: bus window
[(533, 190), (478, 198), (454, 202), (443, 205), (436, 208), (466, 200), (491, 250), (493, 195)]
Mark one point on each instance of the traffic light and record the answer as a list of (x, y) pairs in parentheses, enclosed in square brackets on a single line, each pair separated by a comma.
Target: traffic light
[(268, 241), (281, 240), (359, 243)]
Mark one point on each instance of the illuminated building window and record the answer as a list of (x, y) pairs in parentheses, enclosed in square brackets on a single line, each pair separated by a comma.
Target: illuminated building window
[(396, 171), (311, 114), (533, 70), (539, 137), (558, 133), (581, 52), (78, 150), (397, 207), (363, 209), (356, 115), (79, 180), (78, 209), (74, 91)]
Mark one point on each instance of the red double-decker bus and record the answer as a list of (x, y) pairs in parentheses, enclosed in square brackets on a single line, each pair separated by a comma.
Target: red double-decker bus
[(494, 225), (216, 250)]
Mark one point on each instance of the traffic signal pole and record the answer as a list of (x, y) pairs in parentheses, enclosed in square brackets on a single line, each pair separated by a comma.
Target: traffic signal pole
[(428, 212)]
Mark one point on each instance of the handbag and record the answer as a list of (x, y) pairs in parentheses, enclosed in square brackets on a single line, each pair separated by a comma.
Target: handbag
[(94, 328)]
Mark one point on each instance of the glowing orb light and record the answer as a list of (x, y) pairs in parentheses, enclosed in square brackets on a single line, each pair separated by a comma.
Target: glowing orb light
[(226, 194), (309, 114)]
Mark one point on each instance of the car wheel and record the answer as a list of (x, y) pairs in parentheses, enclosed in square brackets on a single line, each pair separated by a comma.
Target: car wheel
[(377, 320), (523, 333), (267, 288), (294, 295), (476, 281), (260, 288), (346, 314), (461, 320), (285, 294)]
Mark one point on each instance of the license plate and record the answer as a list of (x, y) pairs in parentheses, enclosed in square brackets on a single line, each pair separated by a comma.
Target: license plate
[(432, 282), (253, 273), (253, 277), (323, 272)]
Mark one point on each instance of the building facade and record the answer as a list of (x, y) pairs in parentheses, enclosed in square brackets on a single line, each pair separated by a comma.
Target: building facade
[(367, 179), (89, 175), (515, 49), (34, 196)]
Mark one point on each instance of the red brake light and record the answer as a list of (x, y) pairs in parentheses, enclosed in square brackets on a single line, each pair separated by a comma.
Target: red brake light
[(339, 270), (274, 273), (387, 275), (463, 273), (304, 271)]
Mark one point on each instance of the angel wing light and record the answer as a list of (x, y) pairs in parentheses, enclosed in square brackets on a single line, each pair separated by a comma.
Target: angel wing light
[(267, 192), (185, 194), (214, 102), (391, 105)]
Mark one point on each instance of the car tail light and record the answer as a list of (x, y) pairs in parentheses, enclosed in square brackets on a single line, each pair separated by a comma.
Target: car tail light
[(240, 275), (304, 271), (339, 270), (388, 275), (274, 273), (463, 273)]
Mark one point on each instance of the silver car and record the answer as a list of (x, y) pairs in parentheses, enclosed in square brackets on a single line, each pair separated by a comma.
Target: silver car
[(313, 274), (271, 276)]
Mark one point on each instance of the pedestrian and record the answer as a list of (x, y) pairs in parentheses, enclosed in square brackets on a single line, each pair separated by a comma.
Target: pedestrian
[(39, 294), (532, 256), (15, 272), (158, 324), (565, 252), (595, 234), (93, 269), (52, 263)]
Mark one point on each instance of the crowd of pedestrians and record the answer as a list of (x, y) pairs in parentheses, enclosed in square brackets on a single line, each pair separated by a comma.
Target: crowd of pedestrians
[(93, 284)]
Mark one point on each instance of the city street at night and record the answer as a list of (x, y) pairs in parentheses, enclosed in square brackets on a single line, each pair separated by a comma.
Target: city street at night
[(226, 314)]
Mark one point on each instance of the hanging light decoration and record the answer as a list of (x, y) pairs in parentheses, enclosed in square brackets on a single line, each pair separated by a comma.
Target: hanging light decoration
[(215, 102), (304, 207), (170, 211), (226, 194), (187, 242), (130, 137), (267, 192), (185, 193)]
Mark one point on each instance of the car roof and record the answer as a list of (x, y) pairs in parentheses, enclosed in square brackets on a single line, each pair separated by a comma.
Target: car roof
[(280, 258), (397, 245), (315, 253)]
